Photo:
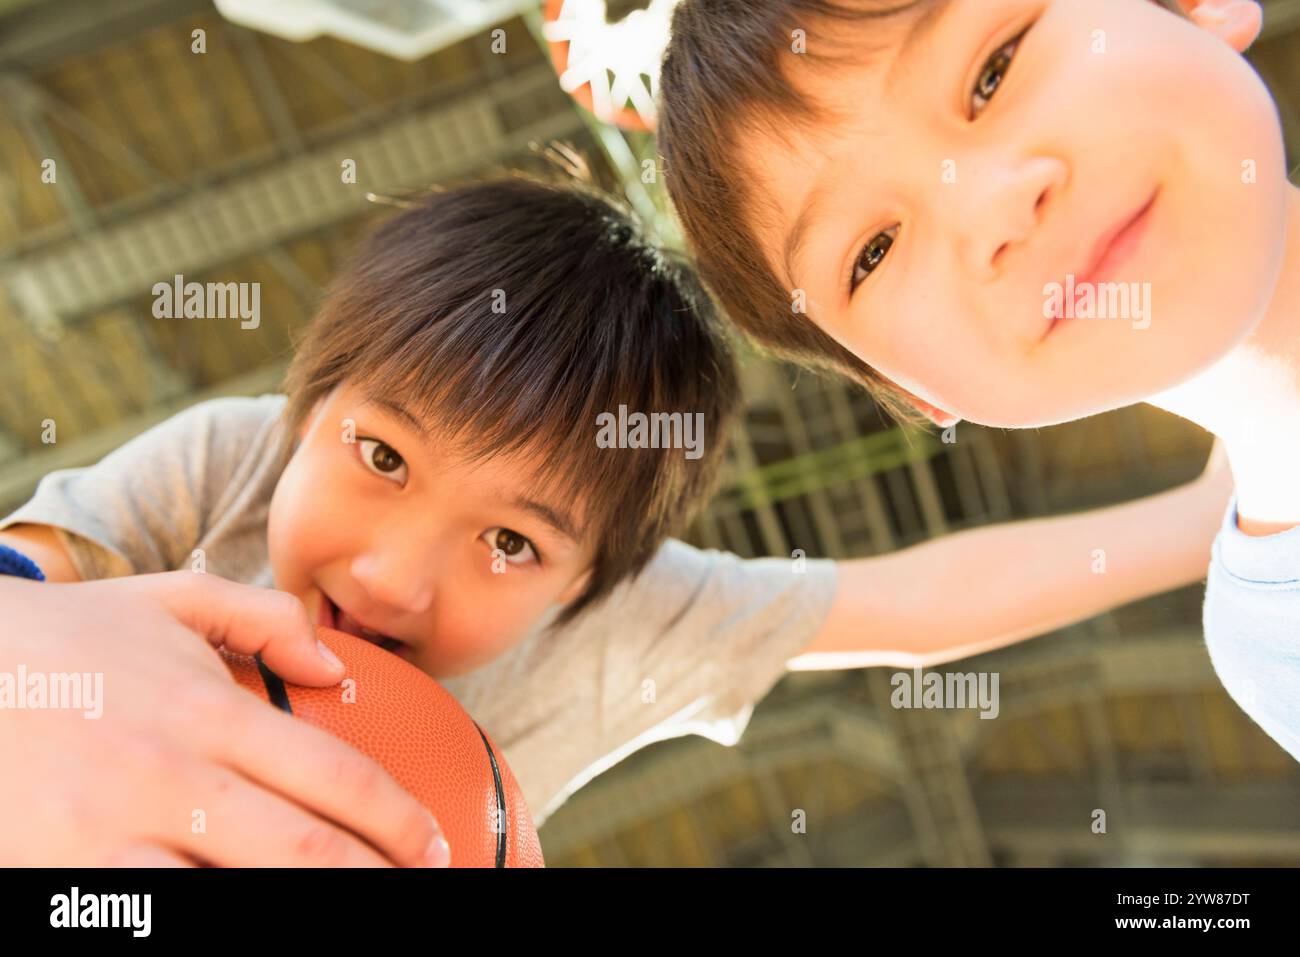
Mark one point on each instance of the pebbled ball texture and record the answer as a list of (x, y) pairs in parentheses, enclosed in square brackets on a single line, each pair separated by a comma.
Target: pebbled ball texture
[(412, 726)]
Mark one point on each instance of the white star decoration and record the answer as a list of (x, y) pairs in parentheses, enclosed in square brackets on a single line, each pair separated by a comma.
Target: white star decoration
[(630, 50)]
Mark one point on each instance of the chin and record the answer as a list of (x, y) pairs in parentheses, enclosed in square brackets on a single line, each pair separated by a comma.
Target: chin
[(440, 671), (1044, 401)]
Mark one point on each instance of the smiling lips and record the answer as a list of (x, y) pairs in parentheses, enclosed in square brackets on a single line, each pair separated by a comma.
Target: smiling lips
[(331, 616), (1115, 246), (1113, 249)]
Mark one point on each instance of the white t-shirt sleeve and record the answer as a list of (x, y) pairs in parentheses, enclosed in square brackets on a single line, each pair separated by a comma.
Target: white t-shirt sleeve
[(144, 506), (695, 642)]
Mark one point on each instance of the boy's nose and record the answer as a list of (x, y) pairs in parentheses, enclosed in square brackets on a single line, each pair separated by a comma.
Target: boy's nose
[(1003, 211), (397, 580)]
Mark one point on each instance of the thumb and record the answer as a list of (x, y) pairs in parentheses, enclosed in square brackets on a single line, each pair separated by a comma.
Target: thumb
[(249, 620)]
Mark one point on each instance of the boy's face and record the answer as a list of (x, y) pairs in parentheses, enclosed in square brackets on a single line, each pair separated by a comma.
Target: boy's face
[(996, 176), (400, 532)]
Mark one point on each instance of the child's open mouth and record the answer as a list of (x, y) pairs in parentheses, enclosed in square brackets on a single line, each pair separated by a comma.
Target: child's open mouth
[(331, 616)]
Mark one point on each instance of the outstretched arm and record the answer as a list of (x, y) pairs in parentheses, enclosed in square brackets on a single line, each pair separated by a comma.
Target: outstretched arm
[(981, 589)]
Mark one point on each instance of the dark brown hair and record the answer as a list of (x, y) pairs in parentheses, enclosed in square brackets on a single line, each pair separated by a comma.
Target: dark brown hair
[(509, 314), (722, 73)]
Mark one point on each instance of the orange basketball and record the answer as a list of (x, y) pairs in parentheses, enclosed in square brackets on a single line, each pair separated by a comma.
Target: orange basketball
[(398, 715)]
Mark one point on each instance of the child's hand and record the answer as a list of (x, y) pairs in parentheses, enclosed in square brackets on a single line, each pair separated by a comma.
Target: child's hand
[(182, 766)]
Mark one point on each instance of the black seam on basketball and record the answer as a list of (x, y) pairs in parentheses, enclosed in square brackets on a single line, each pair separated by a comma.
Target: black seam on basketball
[(275, 689), (279, 696), (501, 800)]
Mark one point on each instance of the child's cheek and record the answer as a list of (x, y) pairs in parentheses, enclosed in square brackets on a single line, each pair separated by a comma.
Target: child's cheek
[(926, 352), (478, 625), (299, 534), (469, 636)]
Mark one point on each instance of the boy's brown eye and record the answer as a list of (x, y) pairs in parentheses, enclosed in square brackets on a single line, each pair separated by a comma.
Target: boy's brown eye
[(385, 459), (380, 458), (873, 253), (993, 74), (510, 545), (510, 542), (995, 71)]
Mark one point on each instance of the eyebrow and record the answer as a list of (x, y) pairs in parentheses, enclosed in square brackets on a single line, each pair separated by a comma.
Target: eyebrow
[(929, 14), (558, 519), (400, 411)]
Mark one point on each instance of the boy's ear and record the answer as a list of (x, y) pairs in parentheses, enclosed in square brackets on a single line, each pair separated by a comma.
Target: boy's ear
[(1236, 22)]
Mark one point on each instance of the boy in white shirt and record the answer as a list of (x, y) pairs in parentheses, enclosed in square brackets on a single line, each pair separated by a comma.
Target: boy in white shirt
[(947, 191)]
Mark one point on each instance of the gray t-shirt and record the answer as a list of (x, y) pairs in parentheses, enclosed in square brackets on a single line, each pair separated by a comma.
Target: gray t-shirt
[(688, 647)]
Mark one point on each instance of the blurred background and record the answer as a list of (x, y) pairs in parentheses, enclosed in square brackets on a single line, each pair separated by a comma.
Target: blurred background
[(223, 164)]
